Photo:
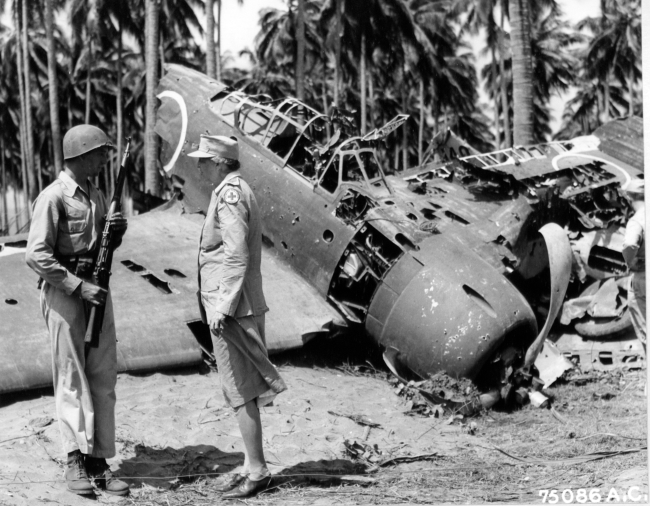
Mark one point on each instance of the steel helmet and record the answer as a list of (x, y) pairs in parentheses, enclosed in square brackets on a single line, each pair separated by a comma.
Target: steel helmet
[(83, 138)]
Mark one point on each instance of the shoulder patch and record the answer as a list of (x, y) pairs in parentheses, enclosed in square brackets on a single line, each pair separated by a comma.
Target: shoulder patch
[(231, 196)]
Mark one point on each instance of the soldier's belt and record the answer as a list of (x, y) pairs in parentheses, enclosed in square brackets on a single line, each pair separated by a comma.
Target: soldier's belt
[(81, 266)]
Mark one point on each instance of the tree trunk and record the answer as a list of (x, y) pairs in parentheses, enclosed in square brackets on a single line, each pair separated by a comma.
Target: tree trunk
[(435, 108), (505, 103), (16, 219), (606, 100), (337, 52), (161, 45), (89, 62), (218, 55), (522, 72), (23, 170), (5, 192), (151, 176), (371, 98), (21, 94), (362, 77), (421, 129), (34, 190), (119, 102), (497, 135), (210, 61), (396, 155), (405, 136), (37, 168), (55, 121), (325, 106), (630, 90), (300, 52)]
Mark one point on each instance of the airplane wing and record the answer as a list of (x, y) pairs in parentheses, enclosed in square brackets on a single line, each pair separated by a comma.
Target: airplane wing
[(153, 285)]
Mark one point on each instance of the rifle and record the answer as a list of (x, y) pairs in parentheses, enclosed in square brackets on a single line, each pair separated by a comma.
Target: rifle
[(102, 271)]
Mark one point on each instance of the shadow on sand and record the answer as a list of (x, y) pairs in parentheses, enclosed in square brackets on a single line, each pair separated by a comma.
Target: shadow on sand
[(166, 468)]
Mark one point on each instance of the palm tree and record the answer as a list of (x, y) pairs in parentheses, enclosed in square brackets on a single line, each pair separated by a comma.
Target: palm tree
[(616, 49), (210, 60), (34, 181), (24, 159), (505, 107), (276, 45), (212, 49), (522, 71), (53, 87), (151, 176), (389, 24), (554, 68), (610, 72), (300, 51)]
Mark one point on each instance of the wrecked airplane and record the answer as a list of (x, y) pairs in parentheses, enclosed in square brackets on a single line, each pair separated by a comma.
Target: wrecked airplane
[(441, 262), (436, 264)]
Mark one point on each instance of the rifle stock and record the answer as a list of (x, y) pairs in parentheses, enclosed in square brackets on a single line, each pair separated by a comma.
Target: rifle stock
[(102, 272)]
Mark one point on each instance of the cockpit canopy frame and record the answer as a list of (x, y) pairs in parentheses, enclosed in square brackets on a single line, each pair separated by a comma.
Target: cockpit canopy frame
[(298, 135)]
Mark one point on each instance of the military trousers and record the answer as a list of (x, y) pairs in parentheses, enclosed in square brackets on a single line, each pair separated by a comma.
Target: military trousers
[(84, 382), (636, 305)]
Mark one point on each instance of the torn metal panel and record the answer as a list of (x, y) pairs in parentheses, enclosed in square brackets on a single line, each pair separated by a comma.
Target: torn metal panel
[(559, 254), (551, 364), (625, 351)]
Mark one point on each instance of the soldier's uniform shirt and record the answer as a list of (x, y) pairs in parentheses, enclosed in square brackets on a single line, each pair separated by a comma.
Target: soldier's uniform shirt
[(635, 240), (66, 222), (230, 283)]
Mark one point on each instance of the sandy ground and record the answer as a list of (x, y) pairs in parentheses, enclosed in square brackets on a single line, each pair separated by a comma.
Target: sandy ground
[(175, 424), (175, 436)]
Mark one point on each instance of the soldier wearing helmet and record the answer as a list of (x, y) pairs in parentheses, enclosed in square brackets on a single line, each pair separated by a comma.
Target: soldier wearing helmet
[(65, 233), (634, 255)]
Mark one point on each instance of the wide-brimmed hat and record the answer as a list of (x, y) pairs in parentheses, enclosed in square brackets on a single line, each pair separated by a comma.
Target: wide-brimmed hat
[(217, 145), (635, 185)]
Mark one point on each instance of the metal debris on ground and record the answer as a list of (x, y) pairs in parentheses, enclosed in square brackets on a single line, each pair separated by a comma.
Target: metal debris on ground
[(439, 394), (375, 458), (360, 419), (551, 364), (538, 399)]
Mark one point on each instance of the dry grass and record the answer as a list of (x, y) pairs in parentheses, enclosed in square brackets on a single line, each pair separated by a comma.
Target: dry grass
[(608, 413)]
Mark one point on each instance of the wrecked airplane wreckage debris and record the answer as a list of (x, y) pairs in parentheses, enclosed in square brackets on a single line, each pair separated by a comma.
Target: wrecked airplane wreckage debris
[(421, 260), (583, 176), (428, 262)]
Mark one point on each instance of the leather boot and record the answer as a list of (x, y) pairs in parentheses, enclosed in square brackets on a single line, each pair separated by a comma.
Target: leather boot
[(102, 476), (76, 476)]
